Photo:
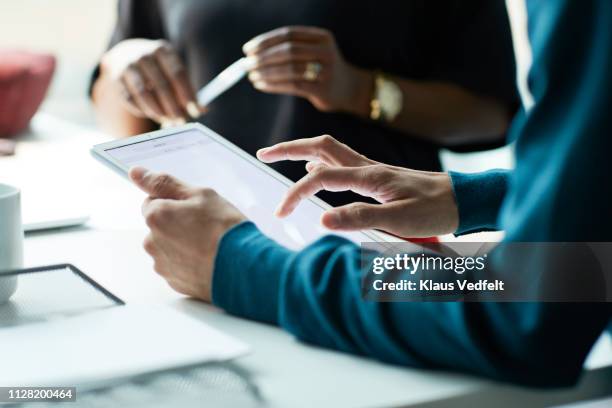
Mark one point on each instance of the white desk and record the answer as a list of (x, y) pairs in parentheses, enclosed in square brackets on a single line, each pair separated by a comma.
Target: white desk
[(53, 165)]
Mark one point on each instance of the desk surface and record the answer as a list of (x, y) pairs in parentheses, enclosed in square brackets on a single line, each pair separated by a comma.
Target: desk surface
[(53, 167)]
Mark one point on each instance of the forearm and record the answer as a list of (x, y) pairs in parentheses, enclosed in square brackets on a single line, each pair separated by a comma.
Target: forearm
[(440, 112), (111, 113), (316, 295)]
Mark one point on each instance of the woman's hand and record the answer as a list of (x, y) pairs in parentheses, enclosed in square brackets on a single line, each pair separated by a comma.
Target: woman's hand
[(413, 203), (306, 62), (151, 79)]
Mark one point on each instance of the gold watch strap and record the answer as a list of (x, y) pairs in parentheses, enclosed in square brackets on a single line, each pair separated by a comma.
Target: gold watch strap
[(375, 108)]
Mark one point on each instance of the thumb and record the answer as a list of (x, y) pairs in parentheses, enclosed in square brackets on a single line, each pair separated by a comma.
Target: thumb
[(158, 185), (357, 216)]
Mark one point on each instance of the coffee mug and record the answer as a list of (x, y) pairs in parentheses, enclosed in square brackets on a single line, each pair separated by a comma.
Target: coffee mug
[(11, 239)]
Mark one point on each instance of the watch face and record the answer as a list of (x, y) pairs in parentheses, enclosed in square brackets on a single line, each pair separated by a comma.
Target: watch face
[(391, 98)]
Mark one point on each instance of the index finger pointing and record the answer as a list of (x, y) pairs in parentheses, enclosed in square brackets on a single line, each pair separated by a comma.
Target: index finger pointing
[(295, 150), (324, 149), (322, 178)]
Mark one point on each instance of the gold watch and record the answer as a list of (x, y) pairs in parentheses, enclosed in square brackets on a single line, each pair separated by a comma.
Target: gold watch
[(387, 100)]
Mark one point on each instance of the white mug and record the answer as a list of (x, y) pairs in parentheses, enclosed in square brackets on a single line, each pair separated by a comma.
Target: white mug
[(11, 239)]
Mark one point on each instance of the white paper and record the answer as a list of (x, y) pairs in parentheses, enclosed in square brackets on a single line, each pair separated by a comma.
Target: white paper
[(102, 347), (53, 294)]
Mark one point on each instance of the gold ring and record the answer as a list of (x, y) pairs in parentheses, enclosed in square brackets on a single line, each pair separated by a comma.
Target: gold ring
[(313, 69)]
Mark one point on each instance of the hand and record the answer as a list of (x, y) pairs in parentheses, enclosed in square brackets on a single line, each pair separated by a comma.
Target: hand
[(152, 80), (186, 226), (413, 203), (282, 59)]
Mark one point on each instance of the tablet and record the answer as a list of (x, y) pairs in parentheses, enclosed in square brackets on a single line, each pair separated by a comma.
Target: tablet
[(200, 157)]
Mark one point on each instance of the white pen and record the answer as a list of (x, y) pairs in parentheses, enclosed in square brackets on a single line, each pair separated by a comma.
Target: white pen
[(225, 80)]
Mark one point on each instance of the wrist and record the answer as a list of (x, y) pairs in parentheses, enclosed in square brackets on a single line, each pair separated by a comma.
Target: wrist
[(361, 89), (232, 221), (449, 211)]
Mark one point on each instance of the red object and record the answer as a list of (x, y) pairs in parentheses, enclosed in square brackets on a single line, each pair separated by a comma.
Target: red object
[(24, 79), (428, 240)]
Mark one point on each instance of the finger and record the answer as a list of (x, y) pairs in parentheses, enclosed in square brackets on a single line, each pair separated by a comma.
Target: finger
[(288, 52), (129, 101), (288, 72), (161, 88), (150, 246), (359, 216), (159, 214), (323, 149), (285, 34), (143, 97), (159, 185), (310, 166), (324, 178), (302, 88), (145, 205), (169, 123), (176, 73)]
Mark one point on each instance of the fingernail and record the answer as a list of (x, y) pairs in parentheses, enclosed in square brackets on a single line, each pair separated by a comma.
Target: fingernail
[(259, 84), (250, 62), (165, 122), (193, 110), (281, 211), (255, 76), (138, 171), (248, 46), (261, 152)]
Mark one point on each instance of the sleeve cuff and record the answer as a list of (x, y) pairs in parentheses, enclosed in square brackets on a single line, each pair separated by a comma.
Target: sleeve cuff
[(247, 273), (479, 198)]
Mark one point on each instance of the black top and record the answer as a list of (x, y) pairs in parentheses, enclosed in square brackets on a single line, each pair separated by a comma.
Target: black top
[(465, 41)]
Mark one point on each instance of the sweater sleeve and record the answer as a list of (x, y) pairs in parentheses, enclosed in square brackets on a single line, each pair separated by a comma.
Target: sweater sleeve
[(479, 197), (558, 193), (315, 294)]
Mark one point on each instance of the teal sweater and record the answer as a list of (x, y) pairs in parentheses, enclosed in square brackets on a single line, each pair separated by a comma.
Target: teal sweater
[(559, 191)]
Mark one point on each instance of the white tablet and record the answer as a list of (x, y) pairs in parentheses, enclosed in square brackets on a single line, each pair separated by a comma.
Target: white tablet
[(200, 157)]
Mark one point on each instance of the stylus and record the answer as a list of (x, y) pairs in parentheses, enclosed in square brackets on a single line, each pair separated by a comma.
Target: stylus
[(224, 81)]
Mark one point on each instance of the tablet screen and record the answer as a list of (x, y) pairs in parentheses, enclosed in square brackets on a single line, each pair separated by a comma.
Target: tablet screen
[(195, 157)]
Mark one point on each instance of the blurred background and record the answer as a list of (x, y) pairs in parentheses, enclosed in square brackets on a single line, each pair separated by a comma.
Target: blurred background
[(76, 32)]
